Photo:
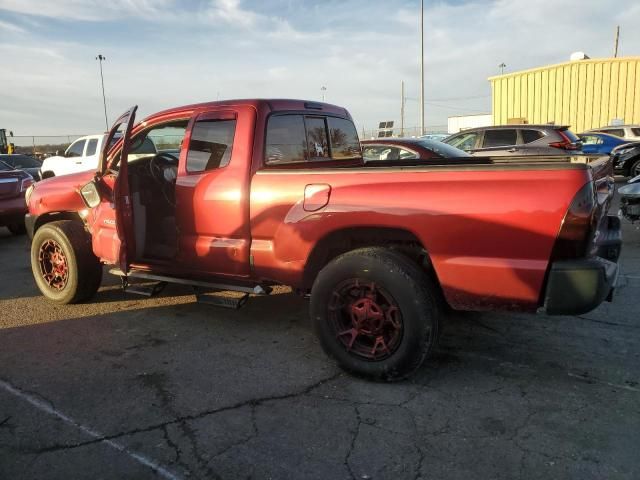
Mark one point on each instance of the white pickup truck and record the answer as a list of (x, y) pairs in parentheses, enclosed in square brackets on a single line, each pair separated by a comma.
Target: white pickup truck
[(83, 154)]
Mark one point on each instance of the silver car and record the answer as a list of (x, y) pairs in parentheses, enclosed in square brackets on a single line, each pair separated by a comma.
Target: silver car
[(526, 139)]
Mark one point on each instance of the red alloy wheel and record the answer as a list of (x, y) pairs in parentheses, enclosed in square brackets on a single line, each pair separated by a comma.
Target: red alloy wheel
[(366, 319), (53, 264)]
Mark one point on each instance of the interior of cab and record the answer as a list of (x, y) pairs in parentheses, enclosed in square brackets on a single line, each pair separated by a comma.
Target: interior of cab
[(153, 168)]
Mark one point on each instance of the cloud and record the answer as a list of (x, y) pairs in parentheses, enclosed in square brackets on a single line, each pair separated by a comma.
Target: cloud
[(10, 27), (181, 52), (230, 11), (88, 10)]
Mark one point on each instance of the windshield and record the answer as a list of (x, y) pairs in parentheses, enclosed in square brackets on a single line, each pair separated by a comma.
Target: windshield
[(21, 161), (4, 166), (442, 149)]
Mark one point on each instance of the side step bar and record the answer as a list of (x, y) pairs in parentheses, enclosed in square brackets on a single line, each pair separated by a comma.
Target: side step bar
[(255, 290)]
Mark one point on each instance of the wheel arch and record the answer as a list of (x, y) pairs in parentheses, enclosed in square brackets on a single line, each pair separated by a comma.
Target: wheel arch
[(54, 217), (345, 240)]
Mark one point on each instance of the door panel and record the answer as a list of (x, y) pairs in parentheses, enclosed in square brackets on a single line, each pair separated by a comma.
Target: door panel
[(212, 206), (111, 221)]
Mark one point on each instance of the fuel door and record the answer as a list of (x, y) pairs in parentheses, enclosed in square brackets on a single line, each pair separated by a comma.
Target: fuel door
[(316, 196)]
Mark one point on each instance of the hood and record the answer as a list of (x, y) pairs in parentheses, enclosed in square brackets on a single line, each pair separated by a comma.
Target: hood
[(58, 194)]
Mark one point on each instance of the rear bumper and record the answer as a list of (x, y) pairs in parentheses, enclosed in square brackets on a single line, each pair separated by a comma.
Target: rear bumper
[(578, 286)]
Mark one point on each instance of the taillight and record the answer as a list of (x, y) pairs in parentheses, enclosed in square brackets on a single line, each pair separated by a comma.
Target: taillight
[(26, 183), (577, 226), (566, 143)]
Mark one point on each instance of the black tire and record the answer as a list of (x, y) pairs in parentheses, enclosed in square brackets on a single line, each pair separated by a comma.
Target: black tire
[(83, 269), (634, 169), (17, 228), (403, 286)]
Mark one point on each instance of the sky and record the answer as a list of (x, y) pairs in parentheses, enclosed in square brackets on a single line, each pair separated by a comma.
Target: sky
[(167, 53)]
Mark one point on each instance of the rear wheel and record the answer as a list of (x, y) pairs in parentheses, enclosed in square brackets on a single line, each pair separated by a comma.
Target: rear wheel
[(376, 313), (634, 169), (63, 264)]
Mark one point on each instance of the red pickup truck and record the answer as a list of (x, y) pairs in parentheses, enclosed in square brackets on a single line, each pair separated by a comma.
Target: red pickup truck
[(247, 194)]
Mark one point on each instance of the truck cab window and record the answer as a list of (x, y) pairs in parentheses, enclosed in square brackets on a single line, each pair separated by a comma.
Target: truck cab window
[(317, 143), (76, 149), (286, 140), (210, 145), (92, 145), (345, 144)]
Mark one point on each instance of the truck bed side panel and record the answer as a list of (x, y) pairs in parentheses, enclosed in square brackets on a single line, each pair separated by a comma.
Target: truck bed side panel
[(489, 232)]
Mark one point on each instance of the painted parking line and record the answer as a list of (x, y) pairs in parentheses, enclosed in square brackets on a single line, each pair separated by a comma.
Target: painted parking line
[(44, 407)]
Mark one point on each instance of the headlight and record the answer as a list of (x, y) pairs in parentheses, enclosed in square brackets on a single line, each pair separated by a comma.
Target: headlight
[(27, 194), (90, 195)]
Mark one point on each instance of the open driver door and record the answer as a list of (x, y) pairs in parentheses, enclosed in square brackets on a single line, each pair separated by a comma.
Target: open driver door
[(109, 215)]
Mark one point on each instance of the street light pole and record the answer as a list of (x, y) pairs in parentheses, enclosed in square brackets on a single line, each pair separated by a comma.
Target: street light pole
[(502, 67), (323, 89), (100, 59), (421, 67)]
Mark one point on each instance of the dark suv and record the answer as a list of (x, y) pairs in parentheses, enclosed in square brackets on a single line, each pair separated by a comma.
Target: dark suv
[(516, 140)]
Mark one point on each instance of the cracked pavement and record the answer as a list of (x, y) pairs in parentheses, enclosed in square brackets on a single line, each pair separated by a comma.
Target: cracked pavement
[(130, 387)]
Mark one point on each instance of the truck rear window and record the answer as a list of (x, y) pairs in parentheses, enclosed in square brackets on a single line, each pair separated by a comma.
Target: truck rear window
[(294, 138)]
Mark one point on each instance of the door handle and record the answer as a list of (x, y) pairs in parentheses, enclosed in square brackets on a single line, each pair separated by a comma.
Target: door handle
[(512, 150)]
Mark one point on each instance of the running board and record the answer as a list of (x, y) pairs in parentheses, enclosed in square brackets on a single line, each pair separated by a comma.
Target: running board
[(219, 299), (144, 290), (255, 290)]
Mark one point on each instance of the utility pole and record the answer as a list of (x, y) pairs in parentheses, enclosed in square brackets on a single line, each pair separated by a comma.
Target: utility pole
[(421, 67), (100, 59), (402, 108), (615, 48), (502, 66)]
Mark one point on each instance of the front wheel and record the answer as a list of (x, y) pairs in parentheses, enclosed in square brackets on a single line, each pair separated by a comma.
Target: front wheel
[(376, 313), (63, 264)]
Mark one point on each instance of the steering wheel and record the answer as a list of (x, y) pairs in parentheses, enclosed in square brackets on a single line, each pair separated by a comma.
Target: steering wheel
[(163, 168)]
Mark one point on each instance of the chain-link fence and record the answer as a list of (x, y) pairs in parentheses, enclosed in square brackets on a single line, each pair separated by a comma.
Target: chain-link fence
[(47, 145)]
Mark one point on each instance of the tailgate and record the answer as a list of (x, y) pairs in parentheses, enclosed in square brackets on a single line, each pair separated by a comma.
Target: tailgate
[(10, 183)]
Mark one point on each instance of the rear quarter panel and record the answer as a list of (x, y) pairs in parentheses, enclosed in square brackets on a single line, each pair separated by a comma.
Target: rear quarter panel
[(489, 232)]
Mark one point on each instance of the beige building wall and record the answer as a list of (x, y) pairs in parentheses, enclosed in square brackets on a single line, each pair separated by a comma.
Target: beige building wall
[(582, 93)]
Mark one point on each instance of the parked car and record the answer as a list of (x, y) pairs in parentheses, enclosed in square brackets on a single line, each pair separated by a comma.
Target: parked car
[(516, 140), (599, 143), (276, 192), (83, 155), (13, 185), (628, 132), (23, 162), (435, 136), (626, 159), (393, 149), (630, 200)]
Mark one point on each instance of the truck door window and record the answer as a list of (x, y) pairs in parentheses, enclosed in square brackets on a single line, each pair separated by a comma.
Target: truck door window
[(286, 140), (76, 149), (345, 144), (500, 138), (317, 143), (92, 146), (210, 145)]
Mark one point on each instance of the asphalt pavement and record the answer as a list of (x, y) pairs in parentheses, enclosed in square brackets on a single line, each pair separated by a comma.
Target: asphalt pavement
[(127, 387)]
